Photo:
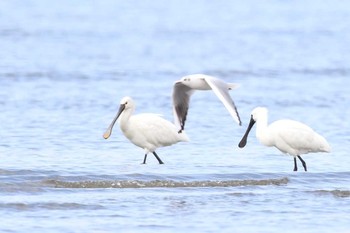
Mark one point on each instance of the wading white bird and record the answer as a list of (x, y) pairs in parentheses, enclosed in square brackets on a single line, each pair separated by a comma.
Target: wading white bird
[(185, 87), (290, 137), (148, 131)]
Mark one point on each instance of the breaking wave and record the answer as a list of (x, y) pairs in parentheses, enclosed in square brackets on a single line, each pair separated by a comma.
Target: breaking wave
[(164, 183)]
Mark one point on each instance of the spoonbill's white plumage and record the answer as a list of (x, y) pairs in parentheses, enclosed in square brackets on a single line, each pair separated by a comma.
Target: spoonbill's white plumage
[(148, 131), (291, 137), (185, 87)]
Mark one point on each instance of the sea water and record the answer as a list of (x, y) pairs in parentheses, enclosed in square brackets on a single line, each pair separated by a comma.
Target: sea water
[(65, 65)]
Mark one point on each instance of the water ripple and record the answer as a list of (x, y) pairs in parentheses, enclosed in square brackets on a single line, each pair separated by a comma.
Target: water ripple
[(49, 206), (335, 193)]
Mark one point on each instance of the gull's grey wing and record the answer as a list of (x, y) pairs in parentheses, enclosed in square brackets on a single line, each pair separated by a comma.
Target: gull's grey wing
[(220, 88), (181, 99)]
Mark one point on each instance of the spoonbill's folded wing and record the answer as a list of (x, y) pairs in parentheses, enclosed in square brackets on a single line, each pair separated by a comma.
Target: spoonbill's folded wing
[(220, 88)]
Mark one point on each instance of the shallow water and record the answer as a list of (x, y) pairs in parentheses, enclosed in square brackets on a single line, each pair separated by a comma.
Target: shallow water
[(64, 68)]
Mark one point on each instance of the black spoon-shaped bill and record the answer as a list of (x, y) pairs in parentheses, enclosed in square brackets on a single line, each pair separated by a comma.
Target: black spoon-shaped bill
[(243, 142)]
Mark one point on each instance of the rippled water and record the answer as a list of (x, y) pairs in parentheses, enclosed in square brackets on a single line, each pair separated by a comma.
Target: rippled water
[(65, 66)]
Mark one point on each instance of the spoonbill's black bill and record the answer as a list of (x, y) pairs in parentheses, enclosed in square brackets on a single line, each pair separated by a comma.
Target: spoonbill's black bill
[(184, 88), (290, 137), (148, 131)]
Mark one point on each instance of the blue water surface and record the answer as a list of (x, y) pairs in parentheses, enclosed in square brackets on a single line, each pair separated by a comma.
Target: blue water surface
[(65, 65)]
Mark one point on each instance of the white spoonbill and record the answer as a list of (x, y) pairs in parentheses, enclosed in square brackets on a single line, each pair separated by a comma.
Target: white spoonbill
[(290, 137), (148, 131), (185, 87)]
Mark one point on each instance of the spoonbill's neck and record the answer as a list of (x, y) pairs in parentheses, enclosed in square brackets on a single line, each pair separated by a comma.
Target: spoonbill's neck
[(124, 119), (262, 130)]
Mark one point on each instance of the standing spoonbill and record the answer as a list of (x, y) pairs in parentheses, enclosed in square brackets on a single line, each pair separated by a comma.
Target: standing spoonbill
[(185, 87), (148, 131), (290, 137)]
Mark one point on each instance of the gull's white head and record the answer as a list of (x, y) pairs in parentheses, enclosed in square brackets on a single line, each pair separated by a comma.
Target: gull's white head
[(189, 78), (195, 81)]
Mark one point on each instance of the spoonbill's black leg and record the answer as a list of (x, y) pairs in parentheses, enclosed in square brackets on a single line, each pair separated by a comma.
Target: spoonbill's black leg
[(144, 160), (303, 162), (159, 160), (295, 164)]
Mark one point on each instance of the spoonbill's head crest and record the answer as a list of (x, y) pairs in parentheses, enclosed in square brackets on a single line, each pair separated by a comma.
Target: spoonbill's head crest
[(258, 112), (127, 102)]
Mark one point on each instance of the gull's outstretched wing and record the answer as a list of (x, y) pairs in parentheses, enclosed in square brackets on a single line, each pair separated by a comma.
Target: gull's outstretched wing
[(181, 99), (220, 88)]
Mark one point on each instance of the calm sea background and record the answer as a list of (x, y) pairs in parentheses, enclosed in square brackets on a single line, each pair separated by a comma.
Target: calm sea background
[(65, 65)]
